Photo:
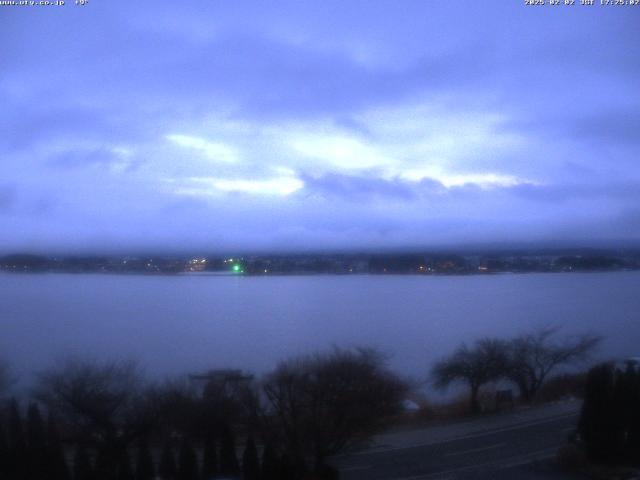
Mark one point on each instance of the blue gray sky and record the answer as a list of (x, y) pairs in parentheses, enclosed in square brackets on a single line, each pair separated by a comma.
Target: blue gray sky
[(317, 124)]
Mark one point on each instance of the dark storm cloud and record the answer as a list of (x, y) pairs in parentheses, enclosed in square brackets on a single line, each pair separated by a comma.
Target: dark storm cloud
[(261, 74), (362, 188), (264, 76), (357, 188)]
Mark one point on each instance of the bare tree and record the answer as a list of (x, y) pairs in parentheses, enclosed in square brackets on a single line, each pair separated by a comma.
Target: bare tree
[(326, 403), (533, 356), (178, 404), (5, 377), (230, 396), (100, 402), (484, 362)]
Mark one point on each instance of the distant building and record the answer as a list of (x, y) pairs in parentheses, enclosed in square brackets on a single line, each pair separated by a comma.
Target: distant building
[(196, 265)]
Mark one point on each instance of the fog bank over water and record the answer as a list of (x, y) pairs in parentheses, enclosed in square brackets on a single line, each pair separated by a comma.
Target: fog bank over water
[(181, 324)]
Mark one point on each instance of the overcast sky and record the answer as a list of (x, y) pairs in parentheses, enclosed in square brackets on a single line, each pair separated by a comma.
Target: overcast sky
[(218, 124)]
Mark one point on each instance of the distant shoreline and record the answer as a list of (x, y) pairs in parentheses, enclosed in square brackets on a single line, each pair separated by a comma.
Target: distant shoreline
[(305, 274), (333, 264)]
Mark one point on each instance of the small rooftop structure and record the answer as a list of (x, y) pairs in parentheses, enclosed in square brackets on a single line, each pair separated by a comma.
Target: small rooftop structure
[(222, 376)]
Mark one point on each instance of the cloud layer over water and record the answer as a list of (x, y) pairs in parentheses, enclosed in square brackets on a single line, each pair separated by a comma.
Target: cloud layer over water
[(243, 125)]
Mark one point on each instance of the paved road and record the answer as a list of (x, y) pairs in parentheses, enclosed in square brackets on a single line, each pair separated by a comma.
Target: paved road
[(504, 451)]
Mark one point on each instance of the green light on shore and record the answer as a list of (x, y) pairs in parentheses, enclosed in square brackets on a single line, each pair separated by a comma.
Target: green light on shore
[(236, 268)]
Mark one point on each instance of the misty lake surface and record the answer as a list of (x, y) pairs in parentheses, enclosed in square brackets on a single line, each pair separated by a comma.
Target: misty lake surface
[(184, 324)]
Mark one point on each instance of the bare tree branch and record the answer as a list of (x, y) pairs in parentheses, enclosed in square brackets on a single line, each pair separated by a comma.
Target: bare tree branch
[(101, 401), (484, 362), (5, 377), (533, 356), (328, 402)]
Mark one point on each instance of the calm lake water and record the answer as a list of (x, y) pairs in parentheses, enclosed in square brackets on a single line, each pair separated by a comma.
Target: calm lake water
[(177, 324)]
